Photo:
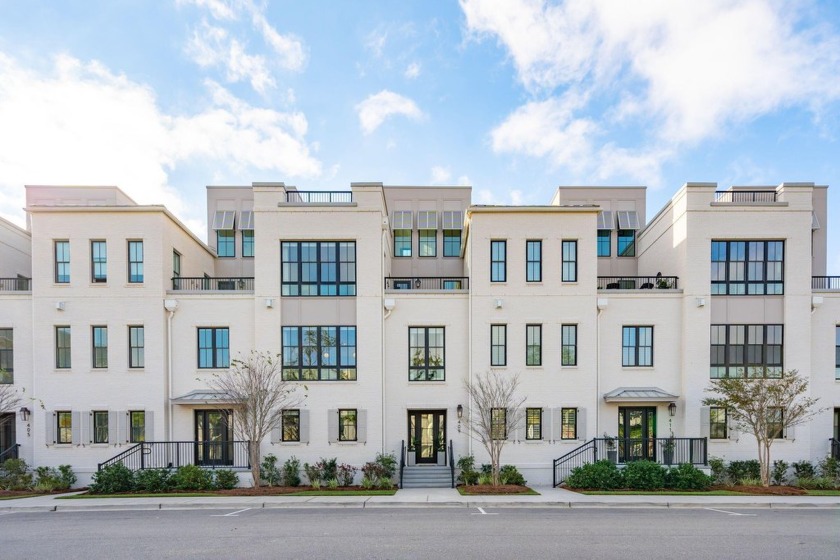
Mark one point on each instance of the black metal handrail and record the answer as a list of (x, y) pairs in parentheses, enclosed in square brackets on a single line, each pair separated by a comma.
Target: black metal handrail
[(222, 284), (444, 283), (320, 197), (10, 453), (173, 454), (19, 284), (402, 462), (825, 282), (564, 465), (835, 448), (452, 463), (638, 282), (745, 196)]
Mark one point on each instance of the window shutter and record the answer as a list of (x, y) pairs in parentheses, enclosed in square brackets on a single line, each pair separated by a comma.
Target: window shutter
[(402, 219), (332, 424), (555, 423), (113, 429), (580, 416), (732, 429), (86, 425), (76, 428), (49, 427), (361, 426), (150, 425), (122, 427), (705, 421), (427, 219), (276, 430), (452, 220), (790, 433), (304, 426)]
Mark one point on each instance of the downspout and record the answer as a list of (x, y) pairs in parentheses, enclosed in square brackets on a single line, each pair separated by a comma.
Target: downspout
[(597, 370), (382, 344), (171, 306), (470, 353)]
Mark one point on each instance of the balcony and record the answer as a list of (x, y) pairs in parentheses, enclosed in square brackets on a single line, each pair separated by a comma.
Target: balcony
[(319, 197), (740, 197), (638, 282), (19, 284), (428, 283), (208, 284), (828, 283)]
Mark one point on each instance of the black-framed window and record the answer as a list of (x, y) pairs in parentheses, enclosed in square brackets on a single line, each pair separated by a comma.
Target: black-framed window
[(226, 243), (748, 267), (718, 428), (498, 423), (98, 261), (626, 246), (775, 423), (348, 428), (498, 345), (213, 347), (746, 351), (533, 345), (135, 262), (7, 356), (62, 262), (100, 426), (62, 348), (637, 346), (248, 243), (137, 426), (533, 261), (290, 425), (318, 268), (568, 423), (99, 350), (402, 242), (427, 242), (568, 345), (176, 264), (533, 423), (604, 238), (64, 426), (498, 261), (569, 273), (319, 353), (426, 354), (452, 243), (837, 352), (136, 347)]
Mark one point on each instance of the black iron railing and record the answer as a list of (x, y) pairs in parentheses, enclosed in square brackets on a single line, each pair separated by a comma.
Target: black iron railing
[(402, 462), (825, 282), (427, 283), (452, 463), (835, 448), (319, 197), (563, 466), (638, 282), (19, 284), (745, 196), (173, 454), (206, 284), (9, 453)]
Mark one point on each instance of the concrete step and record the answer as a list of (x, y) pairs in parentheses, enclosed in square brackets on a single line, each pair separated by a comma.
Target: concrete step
[(427, 477)]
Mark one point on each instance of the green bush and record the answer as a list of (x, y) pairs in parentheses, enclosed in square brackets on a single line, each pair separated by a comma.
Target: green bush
[(192, 478), (804, 469), (485, 479), (346, 474), (313, 473), (153, 481), (644, 475), (687, 477), (600, 475), (15, 475), (509, 474), (381, 471), (739, 470), (830, 468), (468, 475), (49, 479), (749, 481), (328, 469), (66, 476), (718, 467), (225, 479), (817, 483), (779, 472), (269, 473), (388, 463), (112, 479), (291, 472)]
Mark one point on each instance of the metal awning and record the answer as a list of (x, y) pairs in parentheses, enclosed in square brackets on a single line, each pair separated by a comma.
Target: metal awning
[(628, 219), (637, 394), (223, 219), (605, 220), (246, 220), (204, 396)]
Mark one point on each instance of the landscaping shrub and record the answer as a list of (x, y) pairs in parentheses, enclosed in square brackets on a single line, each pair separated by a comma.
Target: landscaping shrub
[(644, 475), (749, 481), (153, 481), (313, 473), (468, 474), (381, 471), (371, 472), (687, 477), (225, 479), (804, 469), (291, 472), (328, 469), (739, 470), (718, 467), (191, 478), (269, 473), (509, 474), (66, 476), (600, 475), (388, 463), (112, 479), (779, 473), (817, 483), (368, 483), (346, 474), (15, 475), (485, 479), (49, 479), (332, 483), (830, 468)]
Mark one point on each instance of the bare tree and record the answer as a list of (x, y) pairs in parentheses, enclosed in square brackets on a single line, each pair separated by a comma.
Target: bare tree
[(764, 406), (256, 388), (496, 412)]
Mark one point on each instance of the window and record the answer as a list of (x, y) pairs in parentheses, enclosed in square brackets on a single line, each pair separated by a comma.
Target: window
[(7, 357), (451, 243), (498, 261), (226, 243), (137, 426), (347, 427), (428, 242), (717, 423), (136, 347), (135, 262), (248, 243), (318, 268), (604, 242), (747, 267), (62, 262), (176, 264), (426, 354), (64, 427), (568, 423), (568, 345), (98, 261), (498, 423), (402, 242), (62, 347), (746, 350), (637, 347), (533, 423), (99, 336), (290, 425), (836, 352), (100, 426), (533, 345), (569, 261), (533, 261), (775, 423), (213, 347), (626, 243), (498, 345), (319, 353)]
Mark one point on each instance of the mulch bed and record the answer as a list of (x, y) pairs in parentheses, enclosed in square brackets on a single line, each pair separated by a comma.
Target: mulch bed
[(764, 491), (501, 489)]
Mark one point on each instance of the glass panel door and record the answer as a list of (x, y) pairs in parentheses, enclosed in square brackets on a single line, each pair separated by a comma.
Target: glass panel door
[(214, 437), (427, 435), (636, 433)]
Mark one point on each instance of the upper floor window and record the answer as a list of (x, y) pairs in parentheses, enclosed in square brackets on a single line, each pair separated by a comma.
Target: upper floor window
[(604, 239), (135, 262), (775, 423), (402, 242), (62, 347), (428, 242), (248, 243), (748, 267), (213, 347), (717, 423), (626, 243), (319, 353), (136, 347), (498, 261), (98, 261), (533, 345), (637, 347), (226, 243), (746, 351), (426, 354), (62, 262), (569, 261), (533, 423), (290, 425), (568, 345), (137, 426), (533, 261), (451, 243), (176, 264), (318, 268), (7, 356), (498, 345), (99, 351), (498, 423)]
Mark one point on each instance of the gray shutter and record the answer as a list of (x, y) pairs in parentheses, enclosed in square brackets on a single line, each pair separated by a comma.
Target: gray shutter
[(150, 425), (705, 421), (49, 427), (555, 424), (361, 426), (304, 426), (734, 432), (122, 427), (113, 427), (581, 423), (332, 424), (86, 428), (276, 432), (76, 427), (790, 433)]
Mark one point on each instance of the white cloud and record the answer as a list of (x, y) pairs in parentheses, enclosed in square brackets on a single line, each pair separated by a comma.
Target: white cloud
[(287, 48), (464, 181), (211, 46), (375, 41), (440, 175), (412, 71), (219, 9), (377, 107)]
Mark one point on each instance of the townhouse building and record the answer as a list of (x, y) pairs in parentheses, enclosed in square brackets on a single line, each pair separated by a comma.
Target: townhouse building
[(384, 300)]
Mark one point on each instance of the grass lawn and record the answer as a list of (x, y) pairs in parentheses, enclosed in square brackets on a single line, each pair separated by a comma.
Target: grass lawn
[(216, 494), (19, 496), (487, 491)]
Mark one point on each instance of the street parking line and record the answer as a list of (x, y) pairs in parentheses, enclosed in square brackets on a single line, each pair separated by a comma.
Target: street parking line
[(731, 512), (483, 512), (232, 514)]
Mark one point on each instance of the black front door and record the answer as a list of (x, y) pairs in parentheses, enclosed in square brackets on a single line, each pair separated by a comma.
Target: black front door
[(7, 431), (427, 435), (214, 437), (636, 433)]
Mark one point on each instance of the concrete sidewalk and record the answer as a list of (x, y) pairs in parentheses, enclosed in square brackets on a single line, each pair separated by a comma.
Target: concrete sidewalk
[(416, 497)]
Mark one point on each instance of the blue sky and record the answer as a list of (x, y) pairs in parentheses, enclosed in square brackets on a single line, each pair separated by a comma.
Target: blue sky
[(513, 98)]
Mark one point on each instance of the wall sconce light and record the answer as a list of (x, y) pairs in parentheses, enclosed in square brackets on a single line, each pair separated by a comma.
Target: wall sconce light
[(24, 414), (701, 302), (460, 412), (269, 303), (672, 409), (417, 283)]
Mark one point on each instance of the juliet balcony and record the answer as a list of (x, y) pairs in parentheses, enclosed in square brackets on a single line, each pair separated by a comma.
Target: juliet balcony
[(657, 282), (428, 283), (825, 283), (213, 284), (19, 284)]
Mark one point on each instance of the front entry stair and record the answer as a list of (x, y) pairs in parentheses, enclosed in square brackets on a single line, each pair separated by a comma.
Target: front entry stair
[(423, 476)]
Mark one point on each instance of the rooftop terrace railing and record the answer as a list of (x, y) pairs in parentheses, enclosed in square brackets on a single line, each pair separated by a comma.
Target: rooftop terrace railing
[(825, 282), (745, 196), (19, 284), (638, 282), (442, 283), (206, 284), (319, 197)]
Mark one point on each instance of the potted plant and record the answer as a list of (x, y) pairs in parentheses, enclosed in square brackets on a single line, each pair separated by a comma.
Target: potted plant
[(668, 450), (612, 452)]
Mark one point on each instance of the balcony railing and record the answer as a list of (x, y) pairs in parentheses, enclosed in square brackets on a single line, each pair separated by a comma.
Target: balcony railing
[(745, 196), (319, 197), (439, 283), (638, 282), (825, 282), (18, 284), (173, 454), (204, 284)]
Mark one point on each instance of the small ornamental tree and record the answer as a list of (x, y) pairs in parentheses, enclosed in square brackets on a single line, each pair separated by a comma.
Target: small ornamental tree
[(765, 406), (254, 385), (495, 412)]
